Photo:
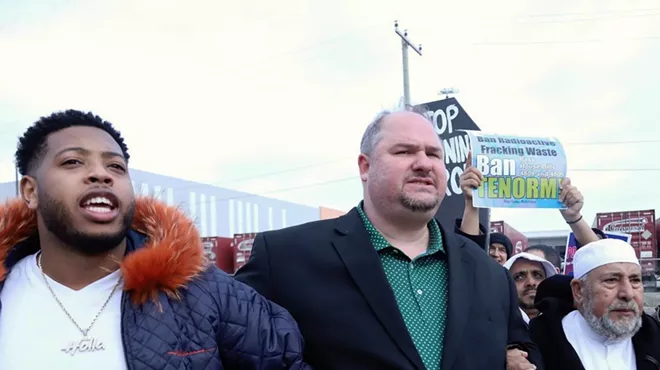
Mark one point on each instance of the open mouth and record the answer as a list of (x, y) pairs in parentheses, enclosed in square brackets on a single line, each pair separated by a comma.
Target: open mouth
[(100, 206)]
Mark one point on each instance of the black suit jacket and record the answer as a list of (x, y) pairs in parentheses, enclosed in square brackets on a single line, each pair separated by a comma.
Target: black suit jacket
[(329, 276)]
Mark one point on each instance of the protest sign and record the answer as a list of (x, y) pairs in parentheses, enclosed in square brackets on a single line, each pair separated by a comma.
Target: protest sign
[(571, 248), (450, 121), (519, 172)]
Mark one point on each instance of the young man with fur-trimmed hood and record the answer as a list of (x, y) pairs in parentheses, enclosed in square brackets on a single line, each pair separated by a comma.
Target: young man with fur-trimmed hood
[(93, 278)]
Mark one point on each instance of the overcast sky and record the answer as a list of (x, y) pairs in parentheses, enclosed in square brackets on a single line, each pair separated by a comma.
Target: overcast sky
[(272, 97)]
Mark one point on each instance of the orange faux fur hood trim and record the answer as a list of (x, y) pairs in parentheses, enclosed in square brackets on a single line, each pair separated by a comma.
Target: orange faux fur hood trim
[(170, 258)]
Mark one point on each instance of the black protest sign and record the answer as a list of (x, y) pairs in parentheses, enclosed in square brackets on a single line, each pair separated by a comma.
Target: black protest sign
[(449, 119)]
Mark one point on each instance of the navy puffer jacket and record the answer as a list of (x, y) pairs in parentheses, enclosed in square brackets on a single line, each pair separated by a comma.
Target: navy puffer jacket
[(178, 311)]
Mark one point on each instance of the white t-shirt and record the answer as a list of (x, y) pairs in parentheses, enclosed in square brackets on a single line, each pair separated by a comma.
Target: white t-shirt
[(34, 329), (594, 351)]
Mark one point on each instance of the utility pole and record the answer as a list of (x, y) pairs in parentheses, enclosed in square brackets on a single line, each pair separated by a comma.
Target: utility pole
[(405, 43)]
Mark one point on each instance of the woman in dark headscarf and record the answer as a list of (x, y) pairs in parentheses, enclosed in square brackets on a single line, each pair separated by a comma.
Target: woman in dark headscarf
[(500, 248)]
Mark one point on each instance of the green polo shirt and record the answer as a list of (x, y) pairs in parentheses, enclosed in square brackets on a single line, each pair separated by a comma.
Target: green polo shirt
[(420, 289)]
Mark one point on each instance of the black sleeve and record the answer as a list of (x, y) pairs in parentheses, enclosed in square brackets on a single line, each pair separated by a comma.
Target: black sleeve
[(480, 239), (518, 331), (256, 272)]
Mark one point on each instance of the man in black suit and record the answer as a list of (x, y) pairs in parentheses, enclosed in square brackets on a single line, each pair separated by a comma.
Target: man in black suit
[(385, 286)]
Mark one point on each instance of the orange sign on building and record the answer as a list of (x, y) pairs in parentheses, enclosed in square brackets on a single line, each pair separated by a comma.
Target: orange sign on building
[(328, 213)]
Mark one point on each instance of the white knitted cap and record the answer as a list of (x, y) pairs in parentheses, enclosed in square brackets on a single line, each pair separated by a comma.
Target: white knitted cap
[(602, 252)]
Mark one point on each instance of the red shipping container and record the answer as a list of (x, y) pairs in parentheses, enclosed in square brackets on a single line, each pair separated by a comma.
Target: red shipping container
[(641, 226), (219, 250), (242, 248), (518, 239), (657, 234)]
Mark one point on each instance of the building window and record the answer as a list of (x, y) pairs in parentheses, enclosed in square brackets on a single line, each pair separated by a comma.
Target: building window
[(192, 206), (202, 210), (214, 217), (158, 192), (170, 196), (136, 188), (232, 220), (239, 216), (248, 217), (144, 189), (255, 215), (270, 218)]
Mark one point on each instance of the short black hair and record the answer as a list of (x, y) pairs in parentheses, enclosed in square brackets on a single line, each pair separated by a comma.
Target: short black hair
[(550, 253), (32, 145)]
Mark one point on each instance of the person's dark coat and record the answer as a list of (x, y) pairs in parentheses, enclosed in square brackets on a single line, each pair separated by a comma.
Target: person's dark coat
[(178, 312), (330, 277)]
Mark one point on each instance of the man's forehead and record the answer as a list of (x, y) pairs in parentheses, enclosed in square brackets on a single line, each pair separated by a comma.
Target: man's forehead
[(410, 129), (618, 268), (88, 138), (525, 264), (397, 120)]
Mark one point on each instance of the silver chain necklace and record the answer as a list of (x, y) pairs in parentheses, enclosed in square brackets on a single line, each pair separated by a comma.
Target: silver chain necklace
[(85, 344)]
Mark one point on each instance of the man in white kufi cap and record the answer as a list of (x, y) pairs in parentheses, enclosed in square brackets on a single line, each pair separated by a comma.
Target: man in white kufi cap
[(528, 271), (608, 329)]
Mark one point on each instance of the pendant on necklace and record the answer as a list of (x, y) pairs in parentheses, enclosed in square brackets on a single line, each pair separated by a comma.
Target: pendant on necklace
[(84, 345)]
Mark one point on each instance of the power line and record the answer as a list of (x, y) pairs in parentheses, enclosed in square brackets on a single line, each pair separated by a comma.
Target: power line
[(615, 169), (313, 165), (615, 142), (223, 183), (550, 42), (356, 177), (590, 19), (591, 13)]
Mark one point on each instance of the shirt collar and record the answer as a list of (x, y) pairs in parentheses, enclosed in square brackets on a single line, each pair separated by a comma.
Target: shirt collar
[(435, 236)]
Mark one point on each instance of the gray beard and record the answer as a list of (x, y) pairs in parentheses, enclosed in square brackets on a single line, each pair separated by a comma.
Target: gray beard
[(613, 331)]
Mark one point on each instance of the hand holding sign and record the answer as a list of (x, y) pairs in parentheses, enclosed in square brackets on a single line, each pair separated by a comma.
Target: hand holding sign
[(470, 179), (572, 199)]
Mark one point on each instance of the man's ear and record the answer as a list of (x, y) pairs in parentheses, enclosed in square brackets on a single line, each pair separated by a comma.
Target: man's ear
[(363, 165), (29, 192), (578, 292)]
